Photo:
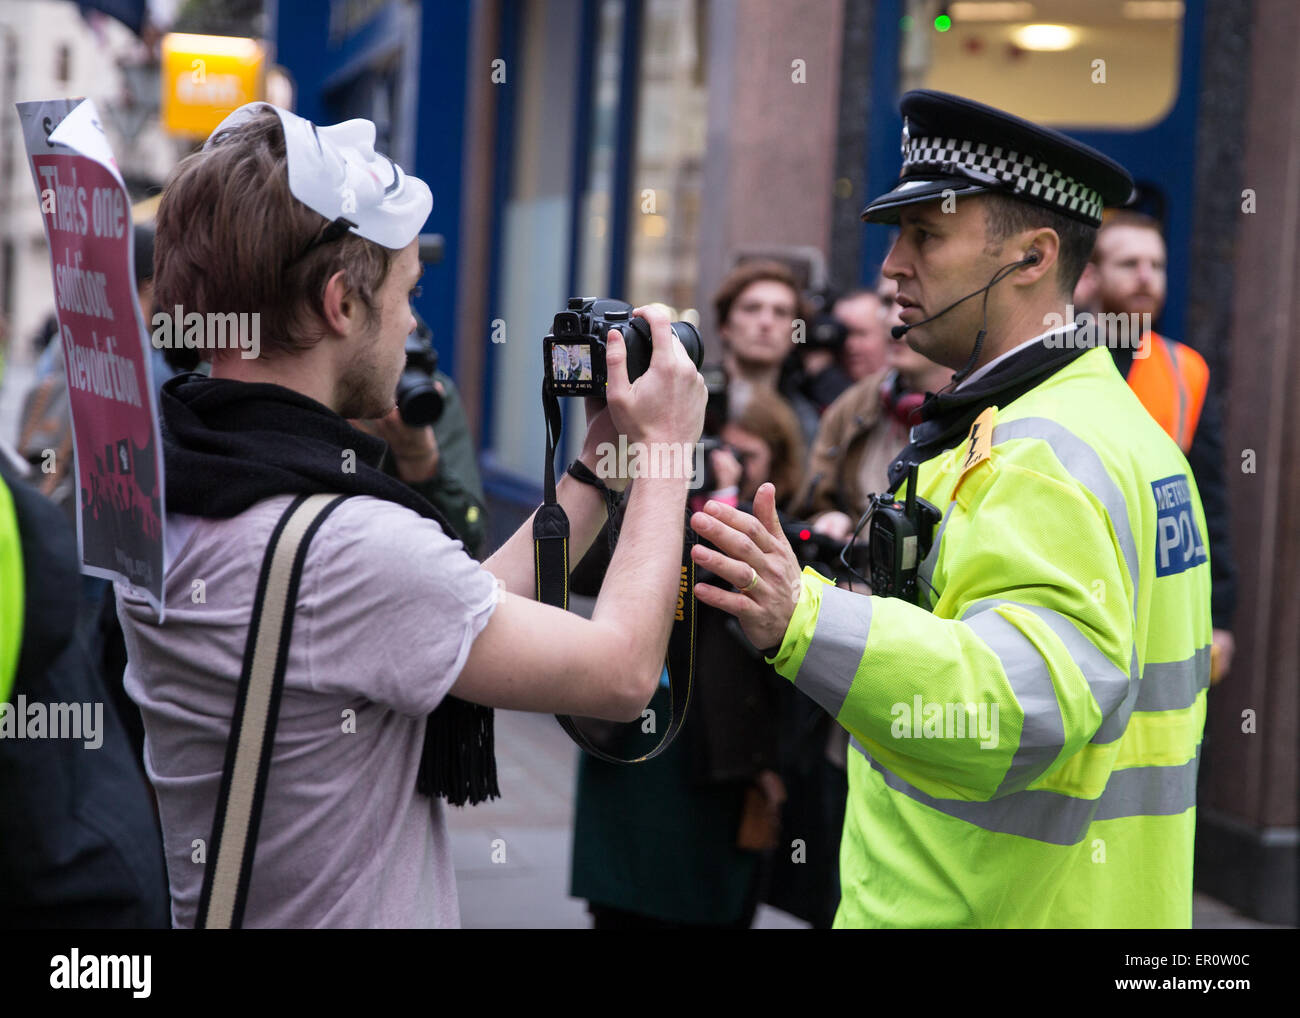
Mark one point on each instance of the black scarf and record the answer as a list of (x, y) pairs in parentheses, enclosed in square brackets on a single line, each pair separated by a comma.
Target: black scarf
[(946, 417), (228, 445)]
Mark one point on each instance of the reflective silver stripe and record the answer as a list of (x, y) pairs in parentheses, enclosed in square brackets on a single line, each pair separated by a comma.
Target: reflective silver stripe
[(1043, 732), (927, 566), (1172, 362), (1084, 465), (1174, 685), (836, 649), (1114, 724), (1149, 791), (1061, 819), (1114, 691)]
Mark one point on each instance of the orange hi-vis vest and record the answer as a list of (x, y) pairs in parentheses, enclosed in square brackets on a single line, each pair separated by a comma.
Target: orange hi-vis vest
[(1170, 379)]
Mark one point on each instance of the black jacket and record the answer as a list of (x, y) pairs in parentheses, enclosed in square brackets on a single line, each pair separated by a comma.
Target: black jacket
[(80, 844)]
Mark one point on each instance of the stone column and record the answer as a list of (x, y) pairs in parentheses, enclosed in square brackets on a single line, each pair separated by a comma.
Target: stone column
[(1247, 835), (774, 71)]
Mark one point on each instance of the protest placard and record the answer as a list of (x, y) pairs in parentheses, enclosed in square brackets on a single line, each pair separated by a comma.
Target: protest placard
[(103, 341)]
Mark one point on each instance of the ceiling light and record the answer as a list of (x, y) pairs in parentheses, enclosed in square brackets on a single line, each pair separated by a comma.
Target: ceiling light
[(1045, 38)]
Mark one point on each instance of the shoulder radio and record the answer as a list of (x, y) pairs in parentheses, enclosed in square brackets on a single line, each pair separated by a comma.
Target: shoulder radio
[(899, 535)]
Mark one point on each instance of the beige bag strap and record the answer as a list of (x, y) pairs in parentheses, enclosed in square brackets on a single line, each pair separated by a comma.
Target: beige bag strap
[(229, 866)]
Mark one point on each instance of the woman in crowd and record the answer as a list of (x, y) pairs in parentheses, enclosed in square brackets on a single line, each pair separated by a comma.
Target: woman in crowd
[(684, 840)]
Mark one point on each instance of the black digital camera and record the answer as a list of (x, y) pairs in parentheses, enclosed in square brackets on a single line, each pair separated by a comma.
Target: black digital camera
[(825, 331), (419, 398), (574, 352), (823, 553), (715, 419)]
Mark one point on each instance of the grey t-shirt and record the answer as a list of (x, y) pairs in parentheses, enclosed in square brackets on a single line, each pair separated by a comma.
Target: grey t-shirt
[(387, 609)]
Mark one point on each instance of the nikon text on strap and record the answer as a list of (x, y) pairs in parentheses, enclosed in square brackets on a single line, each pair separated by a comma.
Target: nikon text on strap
[(551, 561), (229, 867)]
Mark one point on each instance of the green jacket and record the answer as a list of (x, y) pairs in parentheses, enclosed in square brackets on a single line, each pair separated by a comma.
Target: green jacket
[(456, 490), (1025, 753)]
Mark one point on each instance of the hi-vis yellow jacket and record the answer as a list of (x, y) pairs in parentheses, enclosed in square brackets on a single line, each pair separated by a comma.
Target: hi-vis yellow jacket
[(1025, 753), (11, 591)]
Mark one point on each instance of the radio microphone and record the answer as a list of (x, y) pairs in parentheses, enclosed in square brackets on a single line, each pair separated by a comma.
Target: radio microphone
[(899, 331)]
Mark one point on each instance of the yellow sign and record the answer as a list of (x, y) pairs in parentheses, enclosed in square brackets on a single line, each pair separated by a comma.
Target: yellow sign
[(980, 445), (205, 77)]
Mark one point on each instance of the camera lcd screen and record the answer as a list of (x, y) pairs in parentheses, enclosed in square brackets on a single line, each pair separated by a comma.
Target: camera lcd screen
[(571, 362)]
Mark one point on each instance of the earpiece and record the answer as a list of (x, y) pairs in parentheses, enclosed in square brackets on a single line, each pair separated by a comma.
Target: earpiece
[(1032, 257)]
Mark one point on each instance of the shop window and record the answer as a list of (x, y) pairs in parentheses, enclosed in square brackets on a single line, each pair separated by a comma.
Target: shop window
[(1094, 64), (667, 177)]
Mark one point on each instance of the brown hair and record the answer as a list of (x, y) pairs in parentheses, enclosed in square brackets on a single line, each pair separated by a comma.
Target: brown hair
[(229, 236), (756, 271), (769, 417), (1005, 215), (1124, 217)]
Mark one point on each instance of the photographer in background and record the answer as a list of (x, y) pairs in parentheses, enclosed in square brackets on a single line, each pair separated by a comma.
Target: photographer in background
[(866, 334), (456, 488), (814, 374), (865, 429), (845, 342), (429, 432), (441, 462), (381, 715)]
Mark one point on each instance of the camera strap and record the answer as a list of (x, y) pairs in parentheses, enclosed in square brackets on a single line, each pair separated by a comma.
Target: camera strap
[(551, 557)]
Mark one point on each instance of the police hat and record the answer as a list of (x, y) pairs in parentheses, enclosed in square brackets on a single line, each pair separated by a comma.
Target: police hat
[(958, 145)]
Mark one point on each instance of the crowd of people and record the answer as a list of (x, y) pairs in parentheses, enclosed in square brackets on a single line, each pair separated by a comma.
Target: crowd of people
[(747, 806)]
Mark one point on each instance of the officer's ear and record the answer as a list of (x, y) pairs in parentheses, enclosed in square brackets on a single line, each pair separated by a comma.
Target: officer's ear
[(1048, 246)]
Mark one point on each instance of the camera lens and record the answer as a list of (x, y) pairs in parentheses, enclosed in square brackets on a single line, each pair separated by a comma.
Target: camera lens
[(418, 400), (690, 340)]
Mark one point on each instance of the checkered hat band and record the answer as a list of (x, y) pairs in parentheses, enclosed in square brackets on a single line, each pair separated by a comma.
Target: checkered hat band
[(1025, 175)]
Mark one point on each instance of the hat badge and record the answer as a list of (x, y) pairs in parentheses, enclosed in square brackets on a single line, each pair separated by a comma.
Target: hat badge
[(907, 139)]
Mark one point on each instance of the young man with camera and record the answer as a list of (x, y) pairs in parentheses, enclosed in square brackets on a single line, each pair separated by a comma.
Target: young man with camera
[(398, 636)]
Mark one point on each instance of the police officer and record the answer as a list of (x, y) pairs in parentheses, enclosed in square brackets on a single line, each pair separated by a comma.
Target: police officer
[(1025, 723)]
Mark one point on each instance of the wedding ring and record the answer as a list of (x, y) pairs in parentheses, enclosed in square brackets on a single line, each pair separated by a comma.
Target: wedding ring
[(752, 583)]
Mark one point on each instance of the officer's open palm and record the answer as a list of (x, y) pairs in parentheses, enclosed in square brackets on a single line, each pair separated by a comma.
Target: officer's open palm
[(754, 556)]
